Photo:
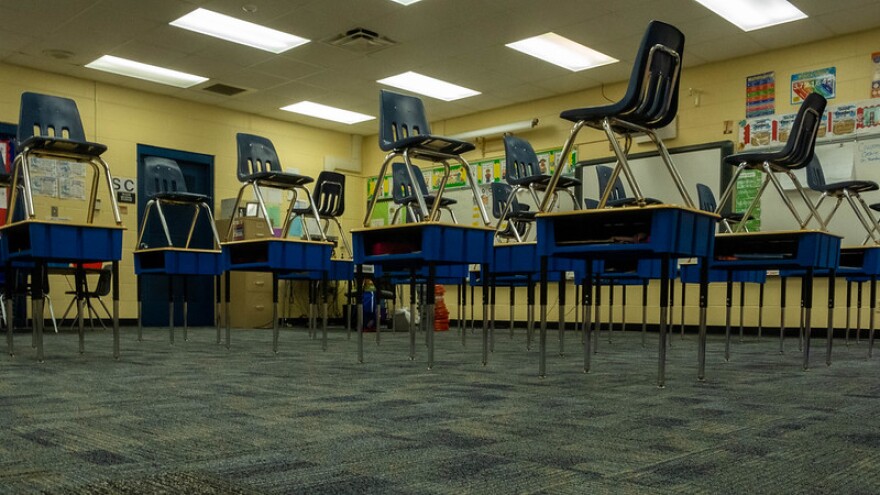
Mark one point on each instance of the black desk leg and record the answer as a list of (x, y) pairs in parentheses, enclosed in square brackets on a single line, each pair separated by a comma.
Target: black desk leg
[(873, 308), (610, 311), (801, 328), (807, 303), (115, 275), (729, 305), (683, 305), (859, 312), (742, 307), (512, 293), (217, 305), (37, 291), (664, 309), (623, 308), (429, 310), (228, 277), (587, 324), (378, 315), (562, 290), (577, 304), (413, 289), (462, 304), (669, 325), (760, 310), (830, 335), (848, 307), (473, 319), (644, 312), (782, 289), (485, 277), (704, 305), (140, 307), (325, 282), (7, 291), (542, 337), (492, 314), (348, 309), (170, 309), (311, 324), (597, 316), (275, 328), (79, 281), (530, 301), (185, 309), (359, 299)]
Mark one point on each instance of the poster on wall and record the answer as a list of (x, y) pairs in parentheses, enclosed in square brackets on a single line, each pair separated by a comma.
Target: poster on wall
[(875, 82), (761, 94), (822, 81)]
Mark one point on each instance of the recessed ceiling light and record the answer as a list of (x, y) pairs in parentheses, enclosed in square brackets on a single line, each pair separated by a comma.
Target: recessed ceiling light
[(237, 31), (327, 113), (750, 15), (561, 51), (130, 68), (406, 2), (428, 86)]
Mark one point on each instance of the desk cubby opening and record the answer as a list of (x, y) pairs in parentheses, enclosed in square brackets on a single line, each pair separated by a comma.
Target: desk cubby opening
[(609, 227)]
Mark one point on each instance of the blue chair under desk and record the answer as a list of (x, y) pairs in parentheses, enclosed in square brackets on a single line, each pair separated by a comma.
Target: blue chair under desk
[(50, 128), (416, 246), (806, 251), (662, 232)]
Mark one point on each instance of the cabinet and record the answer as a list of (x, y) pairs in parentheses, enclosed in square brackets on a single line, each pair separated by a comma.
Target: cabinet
[(250, 292)]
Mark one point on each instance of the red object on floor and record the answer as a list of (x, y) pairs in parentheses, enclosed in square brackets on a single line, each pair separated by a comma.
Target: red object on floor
[(441, 314)]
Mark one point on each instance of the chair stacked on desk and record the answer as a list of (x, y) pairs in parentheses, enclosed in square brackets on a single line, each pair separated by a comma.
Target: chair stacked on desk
[(166, 188), (49, 127)]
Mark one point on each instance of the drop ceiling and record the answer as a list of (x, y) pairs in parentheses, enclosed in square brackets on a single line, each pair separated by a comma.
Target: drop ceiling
[(461, 41)]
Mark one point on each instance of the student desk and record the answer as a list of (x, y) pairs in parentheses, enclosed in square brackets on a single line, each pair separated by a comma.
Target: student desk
[(38, 243)]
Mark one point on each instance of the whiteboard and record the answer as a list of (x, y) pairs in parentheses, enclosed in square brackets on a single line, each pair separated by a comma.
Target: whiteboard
[(696, 164)]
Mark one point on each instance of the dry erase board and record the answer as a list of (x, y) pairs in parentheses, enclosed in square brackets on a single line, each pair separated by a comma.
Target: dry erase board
[(696, 164)]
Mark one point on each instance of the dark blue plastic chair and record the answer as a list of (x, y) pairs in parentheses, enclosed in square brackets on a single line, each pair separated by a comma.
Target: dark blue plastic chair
[(404, 132), (524, 171), (797, 153), (706, 199), (404, 193), (50, 126), (506, 208), (848, 189), (259, 166), (329, 197), (650, 103), (164, 184), (618, 197)]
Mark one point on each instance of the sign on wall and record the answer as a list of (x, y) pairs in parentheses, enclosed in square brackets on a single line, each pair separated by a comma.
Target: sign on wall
[(124, 188)]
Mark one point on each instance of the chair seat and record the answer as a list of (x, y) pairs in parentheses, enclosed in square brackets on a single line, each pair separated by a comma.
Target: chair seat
[(540, 181), (523, 216), (592, 114), (63, 145), (278, 179), (615, 203), (858, 186), (437, 144), (757, 158), (181, 197), (429, 200)]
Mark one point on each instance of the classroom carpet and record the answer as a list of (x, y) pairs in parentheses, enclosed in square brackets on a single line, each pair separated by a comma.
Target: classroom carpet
[(196, 418)]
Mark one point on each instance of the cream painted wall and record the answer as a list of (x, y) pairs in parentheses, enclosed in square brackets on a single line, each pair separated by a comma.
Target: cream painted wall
[(722, 98), (123, 118)]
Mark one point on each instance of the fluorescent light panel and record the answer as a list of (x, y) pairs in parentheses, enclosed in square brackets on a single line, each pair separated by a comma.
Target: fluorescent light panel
[(237, 31), (406, 2), (561, 51), (327, 113), (130, 68), (428, 86), (750, 15)]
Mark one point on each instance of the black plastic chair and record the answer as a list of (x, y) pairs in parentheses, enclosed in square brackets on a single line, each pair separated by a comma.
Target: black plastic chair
[(50, 126), (329, 196), (165, 184), (404, 193), (848, 189), (797, 153), (506, 208), (706, 198), (650, 103), (404, 131), (102, 289), (618, 198), (259, 166), (524, 171)]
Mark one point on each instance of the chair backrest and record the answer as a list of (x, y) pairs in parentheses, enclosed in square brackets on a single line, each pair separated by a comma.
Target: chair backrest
[(651, 99), (603, 173), (104, 282), (400, 117), (49, 116), (706, 198), (329, 194), (815, 175), (500, 194), (798, 150), (255, 154), (520, 158), (402, 187), (162, 175)]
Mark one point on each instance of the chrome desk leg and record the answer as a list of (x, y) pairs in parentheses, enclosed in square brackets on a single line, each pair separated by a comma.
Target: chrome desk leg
[(782, 287), (683, 301), (610, 312), (704, 304), (275, 329), (464, 319), (742, 307), (37, 291), (830, 335), (727, 317), (598, 318), (79, 280), (115, 274), (542, 338), (530, 329), (848, 306), (664, 308), (807, 303), (859, 312), (473, 308)]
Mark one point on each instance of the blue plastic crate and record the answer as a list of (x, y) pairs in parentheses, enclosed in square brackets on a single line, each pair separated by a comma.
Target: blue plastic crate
[(417, 244), (523, 258), (60, 242), (277, 255), (176, 261), (777, 250)]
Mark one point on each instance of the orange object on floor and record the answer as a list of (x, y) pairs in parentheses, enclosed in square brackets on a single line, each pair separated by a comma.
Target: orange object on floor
[(441, 314)]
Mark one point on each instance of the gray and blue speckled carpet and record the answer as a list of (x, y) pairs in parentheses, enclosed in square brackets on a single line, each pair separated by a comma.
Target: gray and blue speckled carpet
[(196, 418)]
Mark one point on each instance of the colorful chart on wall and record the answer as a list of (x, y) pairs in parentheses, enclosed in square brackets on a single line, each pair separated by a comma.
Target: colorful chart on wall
[(822, 81), (761, 95)]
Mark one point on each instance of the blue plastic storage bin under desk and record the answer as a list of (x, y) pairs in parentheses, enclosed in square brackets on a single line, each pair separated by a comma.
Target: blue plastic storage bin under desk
[(277, 255), (60, 242), (690, 274), (443, 274), (524, 258), (417, 244), (177, 261), (340, 270), (777, 250), (651, 231), (857, 263)]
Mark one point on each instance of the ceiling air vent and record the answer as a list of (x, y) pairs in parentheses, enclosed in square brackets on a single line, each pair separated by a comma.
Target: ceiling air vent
[(361, 40), (224, 89)]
